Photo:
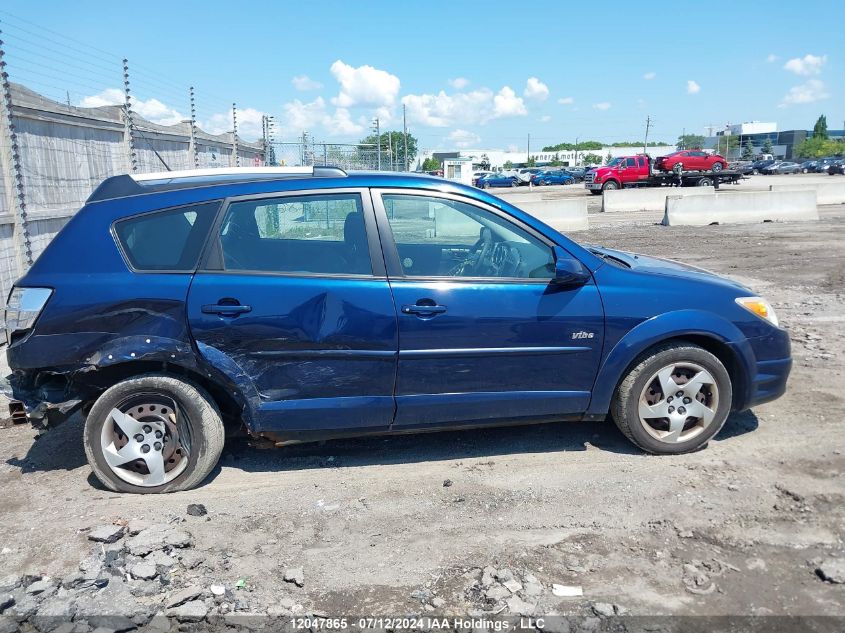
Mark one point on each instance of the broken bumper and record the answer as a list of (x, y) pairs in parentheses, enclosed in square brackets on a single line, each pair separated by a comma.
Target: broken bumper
[(44, 406)]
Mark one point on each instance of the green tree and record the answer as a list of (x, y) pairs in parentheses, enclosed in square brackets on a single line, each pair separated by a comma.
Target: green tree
[(591, 159), (767, 146), (556, 161), (748, 150), (608, 158), (431, 164), (395, 140), (817, 147), (820, 128), (531, 162), (690, 141), (725, 144), (508, 165)]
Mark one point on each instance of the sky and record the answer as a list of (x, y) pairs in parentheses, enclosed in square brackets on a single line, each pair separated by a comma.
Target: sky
[(470, 74)]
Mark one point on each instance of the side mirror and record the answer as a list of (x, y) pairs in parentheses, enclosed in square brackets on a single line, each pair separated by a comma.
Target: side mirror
[(569, 271)]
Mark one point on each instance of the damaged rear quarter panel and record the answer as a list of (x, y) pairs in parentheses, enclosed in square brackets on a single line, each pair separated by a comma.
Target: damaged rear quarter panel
[(76, 339)]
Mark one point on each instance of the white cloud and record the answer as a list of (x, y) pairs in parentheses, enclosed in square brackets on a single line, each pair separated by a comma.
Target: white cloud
[(650, 75), (807, 65), (464, 138), (152, 109), (364, 86), (473, 107), (692, 87), (506, 103), (545, 118), (809, 92), (771, 58), (566, 100), (304, 82), (299, 116), (459, 83), (536, 89), (249, 123), (604, 105)]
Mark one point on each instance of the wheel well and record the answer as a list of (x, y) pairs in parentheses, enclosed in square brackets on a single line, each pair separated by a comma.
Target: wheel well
[(721, 351), (105, 377)]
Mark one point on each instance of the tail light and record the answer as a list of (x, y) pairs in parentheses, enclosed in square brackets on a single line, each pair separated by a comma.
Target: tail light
[(22, 310)]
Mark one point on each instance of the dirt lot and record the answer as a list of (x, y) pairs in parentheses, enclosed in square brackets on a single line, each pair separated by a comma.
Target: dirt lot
[(371, 521)]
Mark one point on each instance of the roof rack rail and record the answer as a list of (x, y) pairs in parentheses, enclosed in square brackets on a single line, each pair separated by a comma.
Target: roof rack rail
[(134, 184)]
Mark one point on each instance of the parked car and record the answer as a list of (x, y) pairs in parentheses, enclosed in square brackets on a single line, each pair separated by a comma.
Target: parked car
[(498, 180), (757, 166), (692, 160), (305, 304), (552, 177), (478, 175), (781, 167), (836, 168), (524, 175), (808, 166), (577, 173)]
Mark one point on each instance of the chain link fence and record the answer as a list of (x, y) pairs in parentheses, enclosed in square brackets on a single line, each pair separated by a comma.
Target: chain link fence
[(345, 156)]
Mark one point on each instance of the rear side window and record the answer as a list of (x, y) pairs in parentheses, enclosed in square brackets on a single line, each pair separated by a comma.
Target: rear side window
[(168, 240), (312, 234)]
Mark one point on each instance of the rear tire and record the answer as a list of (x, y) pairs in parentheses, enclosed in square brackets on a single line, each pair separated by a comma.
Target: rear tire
[(719, 166), (690, 420), (705, 182), (173, 443)]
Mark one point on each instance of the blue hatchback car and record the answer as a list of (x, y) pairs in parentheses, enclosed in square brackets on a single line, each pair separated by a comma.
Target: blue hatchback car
[(308, 303)]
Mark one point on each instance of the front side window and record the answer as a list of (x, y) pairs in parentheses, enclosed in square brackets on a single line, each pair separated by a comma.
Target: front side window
[(631, 162), (440, 237), (169, 240), (319, 234)]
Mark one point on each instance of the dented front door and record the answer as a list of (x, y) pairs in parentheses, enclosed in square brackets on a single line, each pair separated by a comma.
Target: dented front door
[(292, 305)]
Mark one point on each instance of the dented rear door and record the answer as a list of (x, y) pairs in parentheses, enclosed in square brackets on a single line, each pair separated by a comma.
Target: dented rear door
[(294, 305)]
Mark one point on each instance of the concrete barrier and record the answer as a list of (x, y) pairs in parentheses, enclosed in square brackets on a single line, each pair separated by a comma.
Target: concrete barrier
[(646, 199), (741, 208), (563, 214), (826, 192)]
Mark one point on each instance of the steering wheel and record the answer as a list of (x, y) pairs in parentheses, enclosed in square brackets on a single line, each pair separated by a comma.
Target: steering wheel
[(505, 260)]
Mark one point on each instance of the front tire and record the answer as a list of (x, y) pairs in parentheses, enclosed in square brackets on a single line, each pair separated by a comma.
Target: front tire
[(674, 400), (610, 186), (152, 434), (718, 166)]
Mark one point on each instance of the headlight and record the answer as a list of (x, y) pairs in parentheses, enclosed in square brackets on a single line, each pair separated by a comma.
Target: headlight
[(760, 307), (23, 308)]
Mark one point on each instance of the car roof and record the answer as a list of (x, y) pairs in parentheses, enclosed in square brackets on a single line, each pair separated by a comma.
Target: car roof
[(136, 184)]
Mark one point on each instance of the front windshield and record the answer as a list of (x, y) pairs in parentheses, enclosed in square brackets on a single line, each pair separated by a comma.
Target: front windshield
[(614, 162)]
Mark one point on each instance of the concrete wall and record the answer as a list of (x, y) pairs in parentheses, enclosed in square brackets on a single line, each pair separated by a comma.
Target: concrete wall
[(741, 208), (647, 199), (826, 193), (565, 214)]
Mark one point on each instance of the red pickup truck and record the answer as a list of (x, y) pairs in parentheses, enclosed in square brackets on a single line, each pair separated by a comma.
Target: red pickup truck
[(639, 171)]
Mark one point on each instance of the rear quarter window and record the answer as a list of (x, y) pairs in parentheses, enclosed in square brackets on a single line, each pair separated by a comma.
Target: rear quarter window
[(167, 240)]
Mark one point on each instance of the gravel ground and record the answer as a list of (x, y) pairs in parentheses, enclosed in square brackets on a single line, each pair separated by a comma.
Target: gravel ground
[(390, 525)]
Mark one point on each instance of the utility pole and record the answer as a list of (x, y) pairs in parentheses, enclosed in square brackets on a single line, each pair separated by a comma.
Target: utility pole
[(405, 136), (528, 153), (647, 126), (576, 151), (377, 130)]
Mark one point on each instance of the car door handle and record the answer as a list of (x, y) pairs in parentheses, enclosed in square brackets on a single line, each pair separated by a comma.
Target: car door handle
[(423, 310), (225, 310)]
